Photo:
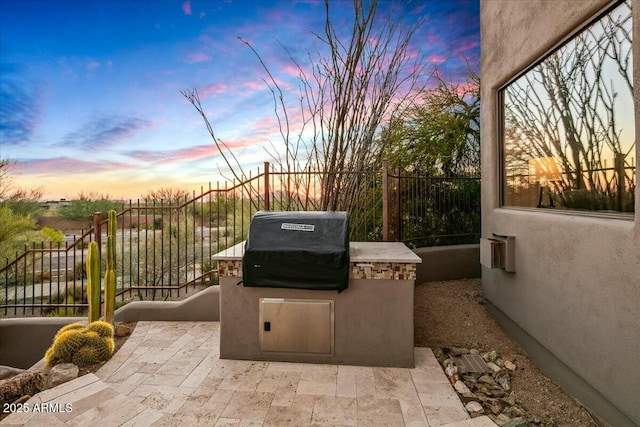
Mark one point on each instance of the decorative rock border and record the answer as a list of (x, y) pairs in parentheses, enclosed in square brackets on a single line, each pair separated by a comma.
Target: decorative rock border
[(485, 391)]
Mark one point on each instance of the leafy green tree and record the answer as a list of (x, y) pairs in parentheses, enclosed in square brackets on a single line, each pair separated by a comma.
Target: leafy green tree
[(12, 230), (438, 140), (52, 235), (440, 134), (86, 205), (169, 196), (17, 210)]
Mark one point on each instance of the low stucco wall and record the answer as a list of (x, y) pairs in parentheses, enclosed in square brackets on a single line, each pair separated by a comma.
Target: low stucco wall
[(448, 263), (201, 307), (23, 341)]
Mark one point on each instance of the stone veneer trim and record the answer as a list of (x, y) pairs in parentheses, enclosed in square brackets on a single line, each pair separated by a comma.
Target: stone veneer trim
[(357, 270)]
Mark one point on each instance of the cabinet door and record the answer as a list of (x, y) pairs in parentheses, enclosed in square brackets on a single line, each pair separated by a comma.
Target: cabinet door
[(296, 325)]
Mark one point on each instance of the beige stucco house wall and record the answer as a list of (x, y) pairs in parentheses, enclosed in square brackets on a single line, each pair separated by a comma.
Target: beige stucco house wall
[(574, 301)]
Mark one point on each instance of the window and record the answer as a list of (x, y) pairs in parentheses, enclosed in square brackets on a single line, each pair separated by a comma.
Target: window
[(568, 132)]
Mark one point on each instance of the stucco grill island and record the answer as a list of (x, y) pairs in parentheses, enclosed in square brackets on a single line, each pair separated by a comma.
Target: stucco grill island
[(298, 291)]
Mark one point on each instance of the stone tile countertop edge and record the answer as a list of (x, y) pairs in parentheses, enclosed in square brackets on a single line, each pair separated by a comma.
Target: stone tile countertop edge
[(359, 252)]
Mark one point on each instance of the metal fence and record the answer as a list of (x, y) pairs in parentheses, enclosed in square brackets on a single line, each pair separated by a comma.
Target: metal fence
[(164, 247)]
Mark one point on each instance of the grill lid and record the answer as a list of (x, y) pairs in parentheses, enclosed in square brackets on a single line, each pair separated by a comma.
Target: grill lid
[(303, 250)]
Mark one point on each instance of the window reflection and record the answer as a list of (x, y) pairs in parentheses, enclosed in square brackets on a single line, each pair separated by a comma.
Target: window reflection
[(568, 124)]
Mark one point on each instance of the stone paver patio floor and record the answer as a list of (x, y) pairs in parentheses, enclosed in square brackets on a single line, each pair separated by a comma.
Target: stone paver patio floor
[(170, 373)]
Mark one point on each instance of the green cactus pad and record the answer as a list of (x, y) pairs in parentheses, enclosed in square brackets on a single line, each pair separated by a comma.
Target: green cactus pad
[(69, 327), (102, 328)]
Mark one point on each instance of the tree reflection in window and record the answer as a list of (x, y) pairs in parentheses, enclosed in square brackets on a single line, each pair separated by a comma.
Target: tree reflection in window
[(568, 123)]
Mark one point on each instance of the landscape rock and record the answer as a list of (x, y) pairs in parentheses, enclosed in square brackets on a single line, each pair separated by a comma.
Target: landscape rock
[(505, 383), (513, 412), (25, 383), (61, 374), (474, 409), (451, 370), (454, 352), (122, 330), (486, 379), (461, 387), (501, 419), (8, 372), (494, 367), (486, 393), (516, 422), (495, 408)]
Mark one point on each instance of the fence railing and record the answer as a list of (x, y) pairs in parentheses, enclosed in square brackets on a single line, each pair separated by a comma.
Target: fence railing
[(164, 247)]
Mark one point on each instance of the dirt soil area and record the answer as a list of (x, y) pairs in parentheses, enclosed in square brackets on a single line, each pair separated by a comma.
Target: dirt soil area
[(453, 314)]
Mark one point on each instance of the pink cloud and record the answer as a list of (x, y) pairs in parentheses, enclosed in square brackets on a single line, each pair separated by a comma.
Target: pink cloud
[(212, 89), (68, 165), (175, 156), (186, 7), (198, 152), (92, 65), (291, 70), (465, 47), (198, 57), (255, 85), (466, 88), (437, 59)]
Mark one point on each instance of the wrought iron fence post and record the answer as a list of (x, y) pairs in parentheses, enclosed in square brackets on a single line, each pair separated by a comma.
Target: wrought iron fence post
[(385, 201), (619, 166), (97, 219), (266, 186), (398, 206)]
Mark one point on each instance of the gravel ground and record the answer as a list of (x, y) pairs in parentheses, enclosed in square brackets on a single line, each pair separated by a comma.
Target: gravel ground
[(453, 313)]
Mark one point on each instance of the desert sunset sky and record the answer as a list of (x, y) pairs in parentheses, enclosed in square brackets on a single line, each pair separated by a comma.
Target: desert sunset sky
[(90, 91)]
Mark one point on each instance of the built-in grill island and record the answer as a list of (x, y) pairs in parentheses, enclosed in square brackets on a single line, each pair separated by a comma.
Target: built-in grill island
[(297, 291)]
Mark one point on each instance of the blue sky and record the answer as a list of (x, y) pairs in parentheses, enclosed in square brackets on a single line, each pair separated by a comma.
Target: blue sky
[(90, 90)]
